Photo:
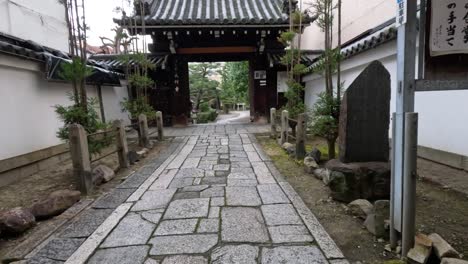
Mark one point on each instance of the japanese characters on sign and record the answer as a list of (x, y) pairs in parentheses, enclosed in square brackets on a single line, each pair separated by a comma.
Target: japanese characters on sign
[(401, 12), (449, 27)]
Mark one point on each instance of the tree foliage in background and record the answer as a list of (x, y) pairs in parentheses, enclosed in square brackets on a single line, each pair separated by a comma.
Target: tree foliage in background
[(235, 82), (326, 111), (292, 61), (202, 88)]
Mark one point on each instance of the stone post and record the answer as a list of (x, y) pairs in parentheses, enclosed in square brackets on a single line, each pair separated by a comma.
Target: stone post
[(273, 123), (79, 152), (300, 137), (122, 147), (159, 122), (284, 126), (144, 134)]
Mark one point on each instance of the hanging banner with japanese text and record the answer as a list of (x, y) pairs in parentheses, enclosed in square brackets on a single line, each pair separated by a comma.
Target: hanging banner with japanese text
[(449, 27)]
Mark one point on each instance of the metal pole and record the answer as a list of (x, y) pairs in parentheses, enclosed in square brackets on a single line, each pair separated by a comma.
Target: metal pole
[(393, 232), (422, 39), (406, 61), (409, 180)]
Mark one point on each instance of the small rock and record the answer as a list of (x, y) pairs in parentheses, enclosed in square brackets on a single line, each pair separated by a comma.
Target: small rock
[(331, 176), (388, 248), (315, 154), (290, 148), (16, 220), (453, 261), (55, 204), (133, 157), (102, 173), (442, 248), (360, 208), (380, 240), (422, 249), (369, 224), (321, 173), (310, 165), (398, 249), (382, 213), (143, 153)]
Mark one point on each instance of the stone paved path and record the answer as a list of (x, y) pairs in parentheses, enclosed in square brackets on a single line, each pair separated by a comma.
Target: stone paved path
[(215, 198)]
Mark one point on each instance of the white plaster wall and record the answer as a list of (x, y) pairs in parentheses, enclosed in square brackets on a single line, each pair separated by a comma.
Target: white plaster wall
[(357, 17), (442, 115), (42, 21), (111, 98), (28, 120)]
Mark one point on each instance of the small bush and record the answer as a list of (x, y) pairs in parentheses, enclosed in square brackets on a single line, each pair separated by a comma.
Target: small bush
[(206, 117)]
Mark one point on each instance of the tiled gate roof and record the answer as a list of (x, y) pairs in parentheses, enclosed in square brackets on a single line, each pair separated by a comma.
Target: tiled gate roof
[(216, 12)]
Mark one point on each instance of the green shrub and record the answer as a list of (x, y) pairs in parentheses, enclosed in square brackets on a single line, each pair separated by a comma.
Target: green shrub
[(75, 114), (137, 107), (205, 117)]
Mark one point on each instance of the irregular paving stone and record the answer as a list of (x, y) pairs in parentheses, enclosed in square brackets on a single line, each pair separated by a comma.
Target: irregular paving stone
[(188, 208), (113, 199), (121, 255), (182, 244), (245, 254), (55, 204), (132, 230), (154, 200), (60, 248), (221, 173), (217, 201), (263, 173), (280, 214), (293, 254), (39, 260), (214, 180), (196, 188), (151, 261), (181, 182), (242, 196), (134, 181), (208, 225), (241, 182), (186, 195), (184, 259), (191, 163), (272, 194), (176, 227), (240, 164), (213, 192), (289, 234), (86, 223), (152, 216), (243, 224), (190, 173), (214, 212), (221, 167), (253, 157)]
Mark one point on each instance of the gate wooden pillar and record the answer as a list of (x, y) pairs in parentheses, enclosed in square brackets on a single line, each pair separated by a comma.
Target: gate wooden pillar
[(181, 99)]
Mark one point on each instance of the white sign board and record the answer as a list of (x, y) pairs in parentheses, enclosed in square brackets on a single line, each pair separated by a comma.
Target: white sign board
[(401, 12), (449, 27), (282, 82)]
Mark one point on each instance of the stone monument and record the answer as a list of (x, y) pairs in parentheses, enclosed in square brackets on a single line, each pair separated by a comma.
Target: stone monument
[(362, 170)]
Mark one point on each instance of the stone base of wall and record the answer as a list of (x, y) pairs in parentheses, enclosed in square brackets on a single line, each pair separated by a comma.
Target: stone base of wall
[(20, 167), (447, 158)]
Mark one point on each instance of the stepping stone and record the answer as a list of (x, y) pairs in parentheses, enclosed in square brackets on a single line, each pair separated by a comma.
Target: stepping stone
[(197, 188), (214, 180), (243, 224), (280, 214), (289, 234), (176, 227), (242, 196), (121, 255), (154, 200), (293, 254), (186, 195), (183, 259), (217, 201), (182, 244), (190, 173), (241, 183), (188, 208), (272, 194), (181, 182), (190, 163), (132, 230), (152, 216), (245, 254)]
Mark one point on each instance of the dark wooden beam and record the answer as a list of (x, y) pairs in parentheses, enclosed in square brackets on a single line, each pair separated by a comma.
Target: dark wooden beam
[(217, 50)]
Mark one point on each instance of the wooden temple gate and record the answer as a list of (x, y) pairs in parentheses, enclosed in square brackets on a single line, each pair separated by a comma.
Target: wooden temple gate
[(186, 31)]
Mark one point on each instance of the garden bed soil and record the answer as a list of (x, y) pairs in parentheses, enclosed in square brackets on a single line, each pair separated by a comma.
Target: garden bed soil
[(58, 177), (439, 209)]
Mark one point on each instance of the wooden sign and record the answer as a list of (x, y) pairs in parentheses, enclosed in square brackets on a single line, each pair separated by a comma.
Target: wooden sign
[(449, 27)]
